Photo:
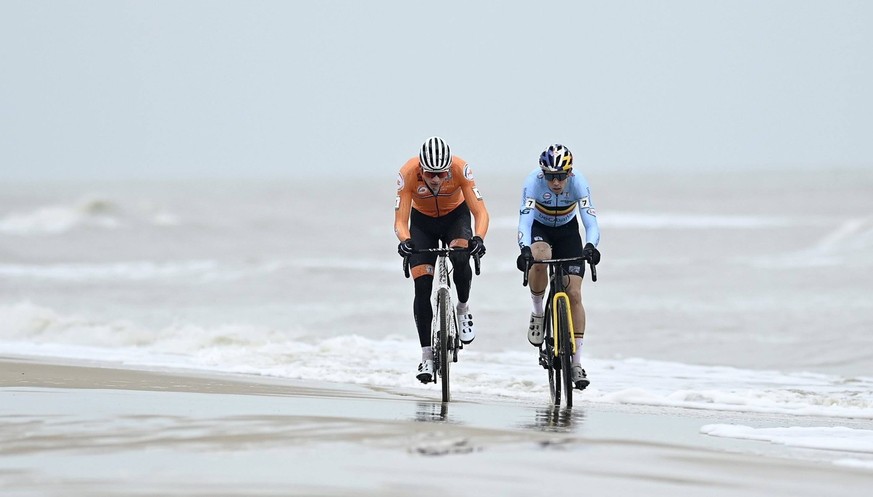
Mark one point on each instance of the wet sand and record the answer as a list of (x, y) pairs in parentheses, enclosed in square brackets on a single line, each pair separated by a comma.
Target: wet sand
[(77, 429)]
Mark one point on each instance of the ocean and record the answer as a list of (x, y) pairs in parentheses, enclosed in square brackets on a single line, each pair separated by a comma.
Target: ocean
[(733, 291)]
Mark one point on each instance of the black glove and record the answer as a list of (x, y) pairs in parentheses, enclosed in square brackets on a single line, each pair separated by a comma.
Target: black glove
[(406, 248), (525, 259), (591, 253), (476, 246)]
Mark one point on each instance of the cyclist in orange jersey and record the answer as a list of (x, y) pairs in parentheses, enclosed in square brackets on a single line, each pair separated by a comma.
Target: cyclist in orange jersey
[(436, 194)]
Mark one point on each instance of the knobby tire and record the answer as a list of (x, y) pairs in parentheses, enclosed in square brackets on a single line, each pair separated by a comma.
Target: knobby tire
[(549, 346), (565, 351), (444, 358)]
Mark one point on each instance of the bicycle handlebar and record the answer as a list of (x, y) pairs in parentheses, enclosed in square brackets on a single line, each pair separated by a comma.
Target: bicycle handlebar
[(558, 261), (439, 251)]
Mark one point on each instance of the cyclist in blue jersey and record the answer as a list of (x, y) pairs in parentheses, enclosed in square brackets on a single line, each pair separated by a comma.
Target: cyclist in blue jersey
[(553, 198)]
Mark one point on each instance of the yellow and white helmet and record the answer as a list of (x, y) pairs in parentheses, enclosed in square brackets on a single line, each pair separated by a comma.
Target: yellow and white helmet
[(556, 159)]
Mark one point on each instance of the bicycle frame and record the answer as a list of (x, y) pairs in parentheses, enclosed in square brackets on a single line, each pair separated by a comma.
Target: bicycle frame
[(445, 339), (559, 310)]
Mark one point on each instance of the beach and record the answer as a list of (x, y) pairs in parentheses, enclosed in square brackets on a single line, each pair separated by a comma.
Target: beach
[(200, 287), (156, 342), (72, 428)]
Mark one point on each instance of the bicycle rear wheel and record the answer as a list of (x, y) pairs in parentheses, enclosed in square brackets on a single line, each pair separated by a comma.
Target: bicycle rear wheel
[(554, 379), (443, 349), (565, 351)]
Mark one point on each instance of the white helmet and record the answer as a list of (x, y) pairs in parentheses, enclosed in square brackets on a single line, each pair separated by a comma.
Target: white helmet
[(435, 155)]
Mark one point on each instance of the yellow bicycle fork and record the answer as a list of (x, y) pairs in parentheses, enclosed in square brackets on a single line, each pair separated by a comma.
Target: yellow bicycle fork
[(562, 295)]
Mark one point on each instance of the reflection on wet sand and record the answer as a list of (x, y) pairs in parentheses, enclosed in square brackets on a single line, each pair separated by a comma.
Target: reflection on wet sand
[(558, 419), (548, 419), (432, 411)]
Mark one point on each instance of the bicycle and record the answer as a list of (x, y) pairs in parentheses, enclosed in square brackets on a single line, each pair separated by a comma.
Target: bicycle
[(556, 356), (445, 339)]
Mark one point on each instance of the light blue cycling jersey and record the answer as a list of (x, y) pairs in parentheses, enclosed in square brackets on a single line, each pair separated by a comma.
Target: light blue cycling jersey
[(540, 204)]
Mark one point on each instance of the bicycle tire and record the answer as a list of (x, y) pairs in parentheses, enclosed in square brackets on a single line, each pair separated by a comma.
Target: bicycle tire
[(548, 358), (554, 380), (565, 349), (444, 358), (455, 337)]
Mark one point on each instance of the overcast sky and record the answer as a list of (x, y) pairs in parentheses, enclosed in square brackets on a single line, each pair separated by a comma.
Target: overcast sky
[(147, 89)]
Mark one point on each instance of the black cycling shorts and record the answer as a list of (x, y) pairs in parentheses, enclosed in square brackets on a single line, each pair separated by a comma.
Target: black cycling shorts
[(426, 231), (565, 240)]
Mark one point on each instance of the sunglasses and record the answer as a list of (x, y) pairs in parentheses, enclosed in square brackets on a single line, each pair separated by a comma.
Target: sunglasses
[(555, 176), (431, 175)]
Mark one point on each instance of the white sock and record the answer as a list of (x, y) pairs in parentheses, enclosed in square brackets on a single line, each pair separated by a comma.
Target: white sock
[(537, 304), (577, 357), (426, 354), (462, 308)]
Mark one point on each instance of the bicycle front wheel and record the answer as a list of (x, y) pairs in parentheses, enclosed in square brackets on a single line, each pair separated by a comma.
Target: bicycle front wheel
[(548, 360), (565, 350), (443, 349)]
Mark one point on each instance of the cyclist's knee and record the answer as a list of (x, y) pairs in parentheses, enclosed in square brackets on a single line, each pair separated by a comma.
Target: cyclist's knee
[(459, 259), (460, 243), (575, 294), (540, 251)]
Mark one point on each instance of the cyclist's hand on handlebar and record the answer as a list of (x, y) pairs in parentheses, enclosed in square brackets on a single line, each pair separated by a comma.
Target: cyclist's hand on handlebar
[(476, 246), (406, 248), (591, 253), (525, 259)]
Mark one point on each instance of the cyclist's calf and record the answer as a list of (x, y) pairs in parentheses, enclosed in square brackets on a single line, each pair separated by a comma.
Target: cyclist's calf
[(574, 292), (421, 307)]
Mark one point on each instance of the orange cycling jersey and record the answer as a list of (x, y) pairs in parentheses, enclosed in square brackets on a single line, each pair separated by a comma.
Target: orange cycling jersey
[(459, 187)]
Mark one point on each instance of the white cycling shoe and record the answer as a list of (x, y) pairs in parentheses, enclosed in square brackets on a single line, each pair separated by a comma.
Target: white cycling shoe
[(580, 379), (425, 371), (468, 333), (535, 330)]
